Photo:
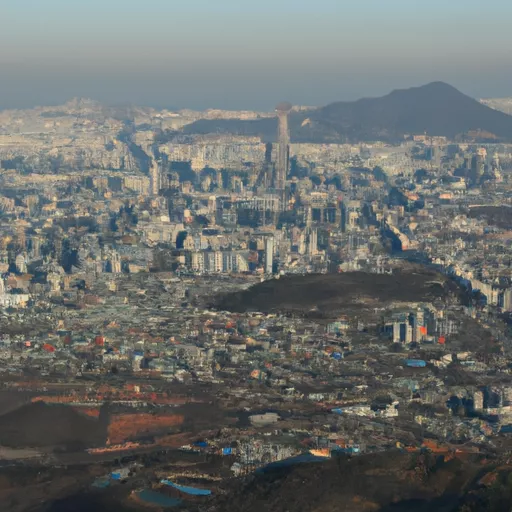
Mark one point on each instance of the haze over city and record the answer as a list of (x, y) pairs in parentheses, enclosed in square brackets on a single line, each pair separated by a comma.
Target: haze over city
[(255, 256), (242, 54)]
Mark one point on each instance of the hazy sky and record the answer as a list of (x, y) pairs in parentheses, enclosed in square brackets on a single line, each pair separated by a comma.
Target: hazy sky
[(248, 53)]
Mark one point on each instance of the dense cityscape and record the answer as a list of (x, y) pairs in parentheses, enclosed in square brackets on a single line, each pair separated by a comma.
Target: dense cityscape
[(184, 308)]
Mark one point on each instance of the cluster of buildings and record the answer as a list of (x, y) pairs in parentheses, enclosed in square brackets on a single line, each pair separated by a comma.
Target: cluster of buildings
[(110, 264)]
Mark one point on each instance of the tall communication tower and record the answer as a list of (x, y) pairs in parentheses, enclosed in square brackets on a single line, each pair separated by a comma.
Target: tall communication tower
[(283, 144)]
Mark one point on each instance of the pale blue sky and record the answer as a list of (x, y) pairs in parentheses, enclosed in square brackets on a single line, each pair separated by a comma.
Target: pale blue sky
[(235, 54)]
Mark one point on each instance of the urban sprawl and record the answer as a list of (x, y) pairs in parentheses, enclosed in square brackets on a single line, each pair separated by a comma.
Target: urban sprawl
[(248, 301)]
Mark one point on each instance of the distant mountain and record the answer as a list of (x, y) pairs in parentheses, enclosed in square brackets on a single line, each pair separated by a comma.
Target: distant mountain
[(437, 109)]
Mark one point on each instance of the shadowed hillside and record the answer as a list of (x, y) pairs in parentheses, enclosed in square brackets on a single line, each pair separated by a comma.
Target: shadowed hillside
[(390, 481), (325, 295), (39, 425), (500, 216)]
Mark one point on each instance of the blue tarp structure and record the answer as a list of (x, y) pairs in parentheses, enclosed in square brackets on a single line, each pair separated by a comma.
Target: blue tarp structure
[(415, 363), (193, 491), (201, 444), (227, 451)]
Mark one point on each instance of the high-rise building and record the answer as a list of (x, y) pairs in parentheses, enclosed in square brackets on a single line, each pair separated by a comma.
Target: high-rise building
[(21, 264), (351, 214), (21, 236), (154, 175), (36, 246), (477, 168), (115, 262), (478, 400), (217, 262), (212, 204), (505, 299), (269, 255), (283, 144), (312, 242), (496, 168)]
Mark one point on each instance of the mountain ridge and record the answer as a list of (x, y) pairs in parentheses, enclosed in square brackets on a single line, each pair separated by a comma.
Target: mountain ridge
[(437, 109)]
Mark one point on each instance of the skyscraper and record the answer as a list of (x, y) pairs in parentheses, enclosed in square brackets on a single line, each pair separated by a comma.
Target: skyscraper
[(283, 142), (477, 169), (269, 255), (154, 176), (312, 241), (115, 262)]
